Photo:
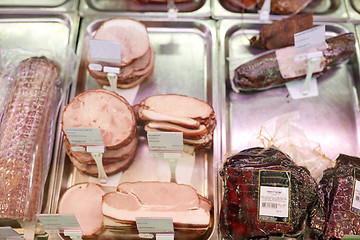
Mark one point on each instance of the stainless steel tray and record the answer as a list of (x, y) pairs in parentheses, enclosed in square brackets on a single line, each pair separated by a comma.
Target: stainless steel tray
[(353, 9), (38, 6), (185, 64), (130, 8), (324, 10), (330, 119)]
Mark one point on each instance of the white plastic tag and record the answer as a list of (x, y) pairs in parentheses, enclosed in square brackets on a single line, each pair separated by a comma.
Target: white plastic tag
[(9, 233), (146, 235), (312, 63), (264, 13), (84, 136), (128, 94), (78, 148), (97, 156), (60, 223), (155, 225), (112, 70), (95, 67), (295, 88), (172, 10), (105, 51), (165, 141), (165, 236), (309, 38), (274, 201), (356, 197)]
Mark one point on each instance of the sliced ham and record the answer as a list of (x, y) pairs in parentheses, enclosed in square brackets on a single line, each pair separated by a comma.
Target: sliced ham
[(102, 109), (187, 133), (84, 201), (131, 34), (156, 199)]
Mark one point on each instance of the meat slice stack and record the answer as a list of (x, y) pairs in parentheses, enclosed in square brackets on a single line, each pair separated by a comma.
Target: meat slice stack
[(84, 201), (179, 113), (23, 132), (252, 204), (111, 113), (137, 55), (341, 188), (157, 200)]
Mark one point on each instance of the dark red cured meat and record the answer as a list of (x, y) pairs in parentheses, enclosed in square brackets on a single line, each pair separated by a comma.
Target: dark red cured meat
[(239, 207), (337, 186)]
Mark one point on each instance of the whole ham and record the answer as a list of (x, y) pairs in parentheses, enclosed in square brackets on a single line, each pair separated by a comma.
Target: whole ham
[(23, 137), (341, 188), (267, 194)]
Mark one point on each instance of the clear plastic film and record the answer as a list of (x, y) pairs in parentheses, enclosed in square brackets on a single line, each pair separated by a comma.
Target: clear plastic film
[(27, 127), (285, 133)]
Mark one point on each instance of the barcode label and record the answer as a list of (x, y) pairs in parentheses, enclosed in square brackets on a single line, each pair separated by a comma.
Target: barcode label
[(355, 206), (269, 205)]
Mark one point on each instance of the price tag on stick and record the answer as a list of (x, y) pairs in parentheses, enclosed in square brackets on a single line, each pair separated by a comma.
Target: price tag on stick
[(105, 51), (264, 13)]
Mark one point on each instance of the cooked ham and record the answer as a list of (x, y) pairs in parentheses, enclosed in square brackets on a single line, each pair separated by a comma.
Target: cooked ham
[(187, 133), (131, 34), (102, 109), (156, 199), (84, 201)]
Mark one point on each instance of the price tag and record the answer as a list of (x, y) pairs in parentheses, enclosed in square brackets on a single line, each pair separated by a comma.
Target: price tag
[(165, 141), (355, 206), (9, 233), (84, 136), (309, 38), (155, 225), (105, 51), (165, 236), (60, 223), (264, 13)]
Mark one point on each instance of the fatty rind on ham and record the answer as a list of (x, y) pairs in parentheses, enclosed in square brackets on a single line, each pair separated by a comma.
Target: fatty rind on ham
[(23, 137)]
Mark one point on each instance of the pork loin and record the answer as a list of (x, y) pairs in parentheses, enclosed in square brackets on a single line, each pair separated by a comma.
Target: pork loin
[(156, 199), (102, 109), (84, 201)]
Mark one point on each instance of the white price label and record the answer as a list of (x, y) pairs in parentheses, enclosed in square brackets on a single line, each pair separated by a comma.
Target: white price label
[(59, 221), (165, 141), (274, 201), (84, 136), (165, 236), (95, 67), (105, 51), (356, 198), (309, 38), (155, 225), (9, 233)]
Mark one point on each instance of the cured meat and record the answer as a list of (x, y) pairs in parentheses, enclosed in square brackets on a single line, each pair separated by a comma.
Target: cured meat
[(267, 194), (179, 113), (263, 72), (131, 34), (178, 201), (102, 109), (341, 198), (23, 137), (84, 201), (137, 55), (114, 116), (286, 7), (280, 33)]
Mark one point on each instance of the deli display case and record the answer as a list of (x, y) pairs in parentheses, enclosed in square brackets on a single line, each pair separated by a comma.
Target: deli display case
[(243, 137)]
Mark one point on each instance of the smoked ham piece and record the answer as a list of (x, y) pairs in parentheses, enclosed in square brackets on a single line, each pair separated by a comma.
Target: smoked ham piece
[(178, 113), (84, 201), (23, 137), (157, 199), (137, 55), (115, 117), (280, 33)]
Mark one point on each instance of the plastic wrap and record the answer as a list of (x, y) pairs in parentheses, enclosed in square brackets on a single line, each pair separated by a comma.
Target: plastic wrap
[(27, 128)]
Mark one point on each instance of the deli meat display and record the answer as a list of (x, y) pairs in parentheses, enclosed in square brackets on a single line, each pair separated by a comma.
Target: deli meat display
[(180, 119)]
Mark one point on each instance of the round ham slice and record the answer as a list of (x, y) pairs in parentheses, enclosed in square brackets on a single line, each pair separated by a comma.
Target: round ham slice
[(131, 34), (84, 201), (102, 109)]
